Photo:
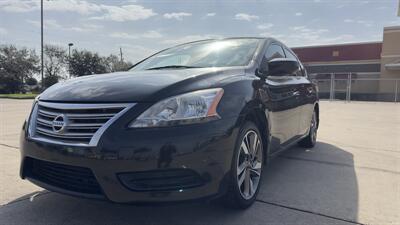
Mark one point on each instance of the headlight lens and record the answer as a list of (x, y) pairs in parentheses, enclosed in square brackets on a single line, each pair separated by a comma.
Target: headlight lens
[(31, 120), (193, 107)]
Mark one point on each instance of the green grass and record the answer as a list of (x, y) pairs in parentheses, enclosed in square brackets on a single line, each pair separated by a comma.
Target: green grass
[(18, 96)]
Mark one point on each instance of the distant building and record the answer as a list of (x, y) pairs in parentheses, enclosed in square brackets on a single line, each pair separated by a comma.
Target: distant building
[(358, 60), (373, 57), (341, 58)]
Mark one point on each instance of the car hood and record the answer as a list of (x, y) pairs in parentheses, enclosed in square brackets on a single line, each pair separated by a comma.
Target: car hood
[(135, 86)]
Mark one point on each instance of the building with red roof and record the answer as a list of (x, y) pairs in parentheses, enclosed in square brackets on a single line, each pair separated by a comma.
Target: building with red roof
[(341, 58), (371, 57), (358, 60)]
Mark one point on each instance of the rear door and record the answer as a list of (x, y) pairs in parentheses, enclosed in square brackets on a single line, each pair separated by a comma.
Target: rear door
[(283, 102)]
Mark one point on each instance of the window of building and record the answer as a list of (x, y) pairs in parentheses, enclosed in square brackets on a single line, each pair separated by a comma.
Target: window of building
[(335, 53)]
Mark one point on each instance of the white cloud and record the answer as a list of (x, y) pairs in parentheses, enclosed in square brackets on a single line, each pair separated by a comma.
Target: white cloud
[(265, 26), (123, 35), (177, 15), (303, 36), (361, 22), (48, 24), (18, 6), (247, 17), (190, 38), (341, 6), (147, 34), (210, 14), (53, 24), (308, 33), (78, 6), (125, 13), (107, 12), (152, 34), (271, 34), (3, 31), (85, 28), (298, 14)]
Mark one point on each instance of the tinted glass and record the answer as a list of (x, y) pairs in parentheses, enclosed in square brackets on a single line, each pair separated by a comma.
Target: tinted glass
[(290, 55), (274, 51), (220, 53)]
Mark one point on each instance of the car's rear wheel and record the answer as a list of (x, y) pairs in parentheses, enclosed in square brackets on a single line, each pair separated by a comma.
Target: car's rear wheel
[(311, 139), (246, 169)]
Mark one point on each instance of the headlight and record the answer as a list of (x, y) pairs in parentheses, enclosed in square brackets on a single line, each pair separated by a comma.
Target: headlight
[(31, 120), (193, 107)]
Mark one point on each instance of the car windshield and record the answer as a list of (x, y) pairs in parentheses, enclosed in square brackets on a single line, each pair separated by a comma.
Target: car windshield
[(210, 53)]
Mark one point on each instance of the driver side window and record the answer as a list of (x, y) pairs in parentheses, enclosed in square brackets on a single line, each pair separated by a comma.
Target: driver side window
[(274, 51)]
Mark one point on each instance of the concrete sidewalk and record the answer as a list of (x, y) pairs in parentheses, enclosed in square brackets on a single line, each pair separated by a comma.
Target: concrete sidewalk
[(351, 176)]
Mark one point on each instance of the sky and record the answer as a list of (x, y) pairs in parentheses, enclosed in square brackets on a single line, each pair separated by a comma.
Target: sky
[(142, 27)]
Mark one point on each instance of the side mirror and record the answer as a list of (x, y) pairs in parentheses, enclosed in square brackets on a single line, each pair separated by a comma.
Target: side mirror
[(278, 67)]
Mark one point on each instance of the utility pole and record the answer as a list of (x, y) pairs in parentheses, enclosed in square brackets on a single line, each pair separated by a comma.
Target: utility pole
[(69, 58), (41, 44), (120, 52), (398, 10)]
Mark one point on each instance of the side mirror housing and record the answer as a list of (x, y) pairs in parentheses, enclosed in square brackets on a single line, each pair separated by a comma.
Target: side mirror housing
[(278, 67)]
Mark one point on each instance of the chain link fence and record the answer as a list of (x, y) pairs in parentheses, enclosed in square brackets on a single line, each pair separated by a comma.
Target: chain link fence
[(357, 87)]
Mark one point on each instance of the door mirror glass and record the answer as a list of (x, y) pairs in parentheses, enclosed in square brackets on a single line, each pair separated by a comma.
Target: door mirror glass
[(282, 67)]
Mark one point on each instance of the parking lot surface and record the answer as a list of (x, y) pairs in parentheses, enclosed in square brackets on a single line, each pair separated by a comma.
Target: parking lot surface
[(352, 176)]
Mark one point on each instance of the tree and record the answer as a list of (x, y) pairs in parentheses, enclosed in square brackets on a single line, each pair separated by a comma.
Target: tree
[(54, 64), (16, 65), (87, 63), (116, 65), (31, 81)]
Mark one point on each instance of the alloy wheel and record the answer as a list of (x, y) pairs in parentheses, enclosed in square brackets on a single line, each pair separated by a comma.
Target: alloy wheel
[(313, 128), (249, 163)]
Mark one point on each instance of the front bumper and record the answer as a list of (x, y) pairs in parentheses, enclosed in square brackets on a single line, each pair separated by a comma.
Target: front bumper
[(206, 149)]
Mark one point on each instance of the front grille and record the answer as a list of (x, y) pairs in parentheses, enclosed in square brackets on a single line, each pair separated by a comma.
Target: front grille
[(71, 178), (74, 123), (161, 180)]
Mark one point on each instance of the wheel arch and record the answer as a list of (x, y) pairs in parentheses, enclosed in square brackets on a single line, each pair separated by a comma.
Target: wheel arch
[(256, 113)]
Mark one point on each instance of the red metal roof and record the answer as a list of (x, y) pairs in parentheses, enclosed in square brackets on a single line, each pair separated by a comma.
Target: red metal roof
[(345, 52)]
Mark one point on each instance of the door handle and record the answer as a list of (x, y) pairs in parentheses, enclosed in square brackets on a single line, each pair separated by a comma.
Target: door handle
[(296, 93)]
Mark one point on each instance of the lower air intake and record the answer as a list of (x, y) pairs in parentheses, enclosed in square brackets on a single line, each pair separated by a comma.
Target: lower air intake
[(71, 178), (161, 180)]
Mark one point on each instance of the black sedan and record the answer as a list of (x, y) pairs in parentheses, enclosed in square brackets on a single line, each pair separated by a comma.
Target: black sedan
[(198, 120)]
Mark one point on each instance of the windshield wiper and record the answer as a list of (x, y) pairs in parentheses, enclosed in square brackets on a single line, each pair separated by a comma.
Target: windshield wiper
[(172, 67)]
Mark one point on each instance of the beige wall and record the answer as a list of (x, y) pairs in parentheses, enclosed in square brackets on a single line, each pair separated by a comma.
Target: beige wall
[(390, 54)]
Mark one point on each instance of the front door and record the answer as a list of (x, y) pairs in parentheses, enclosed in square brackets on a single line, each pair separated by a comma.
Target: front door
[(306, 98), (283, 103)]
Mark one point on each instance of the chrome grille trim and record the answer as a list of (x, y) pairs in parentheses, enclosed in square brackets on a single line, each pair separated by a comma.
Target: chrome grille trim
[(81, 131)]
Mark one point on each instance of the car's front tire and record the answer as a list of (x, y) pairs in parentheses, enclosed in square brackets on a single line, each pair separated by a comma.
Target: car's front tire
[(246, 170)]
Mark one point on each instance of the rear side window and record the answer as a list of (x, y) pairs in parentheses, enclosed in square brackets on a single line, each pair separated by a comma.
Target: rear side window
[(274, 51)]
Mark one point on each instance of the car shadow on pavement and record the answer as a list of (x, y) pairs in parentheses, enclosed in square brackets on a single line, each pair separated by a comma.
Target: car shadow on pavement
[(300, 186), (320, 180)]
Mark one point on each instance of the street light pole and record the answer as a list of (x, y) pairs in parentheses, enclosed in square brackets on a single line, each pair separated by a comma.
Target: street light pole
[(69, 58), (41, 44)]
